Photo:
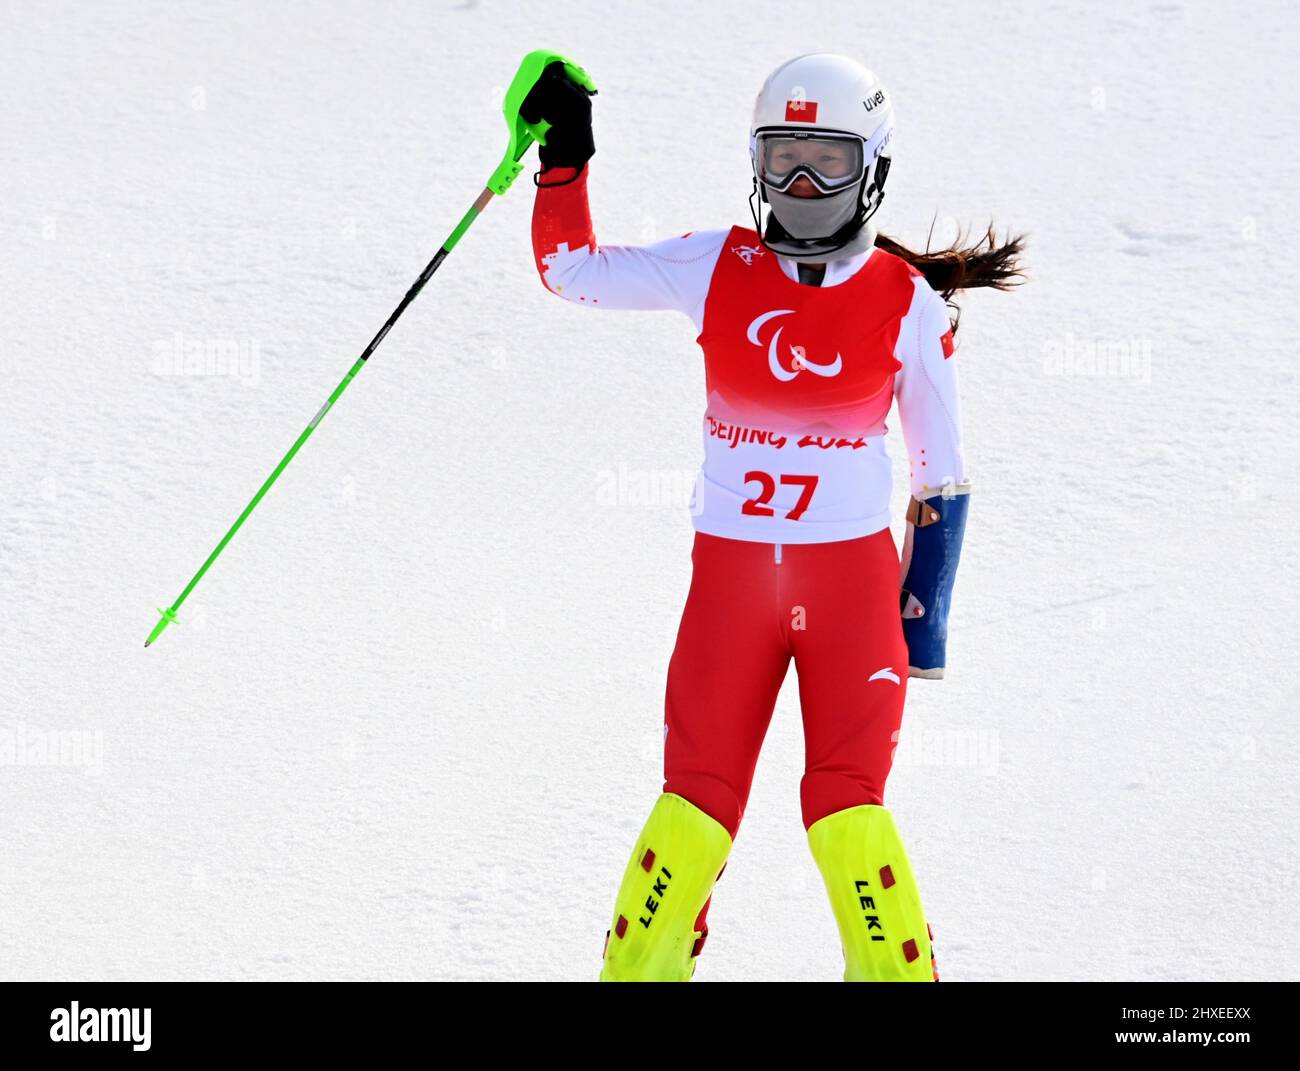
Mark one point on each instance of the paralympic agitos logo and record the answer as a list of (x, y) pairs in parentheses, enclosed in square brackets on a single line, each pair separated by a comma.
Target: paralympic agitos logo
[(799, 360)]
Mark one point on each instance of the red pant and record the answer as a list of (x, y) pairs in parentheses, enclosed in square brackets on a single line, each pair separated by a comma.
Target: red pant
[(833, 607)]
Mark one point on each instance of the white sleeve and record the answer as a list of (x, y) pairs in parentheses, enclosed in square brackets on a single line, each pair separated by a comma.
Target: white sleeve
[(672, 274), (926, 389)]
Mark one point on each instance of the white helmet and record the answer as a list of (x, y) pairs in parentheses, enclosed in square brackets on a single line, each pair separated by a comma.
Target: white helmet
[(829, 119)]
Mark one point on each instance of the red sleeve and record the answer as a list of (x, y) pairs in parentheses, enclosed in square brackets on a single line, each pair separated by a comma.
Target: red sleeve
[(561, 216)]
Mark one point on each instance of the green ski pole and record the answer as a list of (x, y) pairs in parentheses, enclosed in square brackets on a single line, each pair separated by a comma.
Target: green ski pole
[(522, 135)]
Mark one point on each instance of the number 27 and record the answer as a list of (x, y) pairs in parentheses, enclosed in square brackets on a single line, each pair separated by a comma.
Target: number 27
[(758, 505)]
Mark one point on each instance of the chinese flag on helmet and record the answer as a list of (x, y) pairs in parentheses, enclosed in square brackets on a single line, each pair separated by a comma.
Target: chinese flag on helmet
[(801, 111)]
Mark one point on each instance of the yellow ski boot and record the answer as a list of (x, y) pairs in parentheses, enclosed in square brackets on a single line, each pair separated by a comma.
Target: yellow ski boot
[(654, 936), (874, 896)]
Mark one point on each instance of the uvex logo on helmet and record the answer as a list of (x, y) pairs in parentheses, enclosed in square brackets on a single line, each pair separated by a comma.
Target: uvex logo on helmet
[(799, 361)]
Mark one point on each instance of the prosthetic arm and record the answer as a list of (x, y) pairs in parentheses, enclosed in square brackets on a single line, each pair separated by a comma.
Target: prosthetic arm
[(935, 526), (926, 389)]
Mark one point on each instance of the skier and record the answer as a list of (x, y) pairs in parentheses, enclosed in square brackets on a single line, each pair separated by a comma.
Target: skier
[(811, 323)]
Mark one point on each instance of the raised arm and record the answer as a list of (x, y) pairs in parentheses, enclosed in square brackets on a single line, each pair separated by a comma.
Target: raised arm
[(673, 274), (926, 389)]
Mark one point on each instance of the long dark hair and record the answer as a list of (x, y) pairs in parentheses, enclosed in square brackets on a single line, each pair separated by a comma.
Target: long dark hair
[(965, 264)]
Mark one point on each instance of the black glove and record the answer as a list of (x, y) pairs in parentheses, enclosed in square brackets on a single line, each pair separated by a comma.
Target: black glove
[(567, 107)]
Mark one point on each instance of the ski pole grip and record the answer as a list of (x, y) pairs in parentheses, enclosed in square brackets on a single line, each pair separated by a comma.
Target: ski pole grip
[(522, 132)]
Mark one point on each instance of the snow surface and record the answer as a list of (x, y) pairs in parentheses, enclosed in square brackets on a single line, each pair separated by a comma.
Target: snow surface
[(410, 724)]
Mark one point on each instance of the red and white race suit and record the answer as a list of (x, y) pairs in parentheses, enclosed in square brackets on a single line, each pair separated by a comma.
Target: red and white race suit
[(800, 379)]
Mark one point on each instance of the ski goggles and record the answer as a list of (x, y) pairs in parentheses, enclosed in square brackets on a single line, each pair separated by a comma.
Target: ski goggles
[(832, 162)]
